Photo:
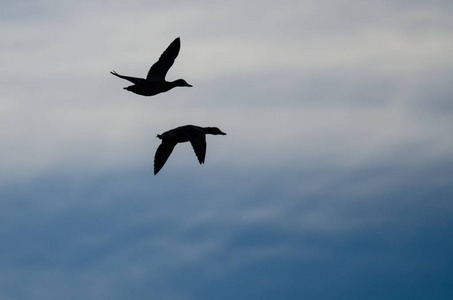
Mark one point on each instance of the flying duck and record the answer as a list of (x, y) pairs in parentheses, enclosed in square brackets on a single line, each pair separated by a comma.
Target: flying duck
[(189, 133), (155, 82)]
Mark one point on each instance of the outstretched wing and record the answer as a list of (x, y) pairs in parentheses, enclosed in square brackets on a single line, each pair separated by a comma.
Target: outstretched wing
[(166, 60), (162, 154), (199, 146), (134, 80)]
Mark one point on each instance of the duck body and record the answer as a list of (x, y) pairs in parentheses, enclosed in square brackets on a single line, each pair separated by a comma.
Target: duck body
[(155, 82), (151, 88), (196, 135)]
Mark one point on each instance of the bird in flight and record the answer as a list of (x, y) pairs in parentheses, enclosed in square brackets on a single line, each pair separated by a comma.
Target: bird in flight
[(189, 133), (155, 82)]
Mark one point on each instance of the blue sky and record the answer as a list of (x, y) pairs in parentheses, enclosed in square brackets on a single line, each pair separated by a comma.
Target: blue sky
[(334, 180)]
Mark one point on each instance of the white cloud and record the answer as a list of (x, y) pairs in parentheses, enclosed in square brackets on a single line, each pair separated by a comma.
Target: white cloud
[(287, 83)]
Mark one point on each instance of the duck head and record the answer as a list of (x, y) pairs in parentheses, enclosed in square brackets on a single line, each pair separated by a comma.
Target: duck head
[(181, 82), (214, 130)]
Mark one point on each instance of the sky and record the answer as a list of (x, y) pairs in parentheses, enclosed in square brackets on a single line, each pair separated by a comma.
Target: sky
[(334, 181)]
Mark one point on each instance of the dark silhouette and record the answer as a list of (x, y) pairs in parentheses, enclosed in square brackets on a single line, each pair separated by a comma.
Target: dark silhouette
[(155, 82), (189, 133)]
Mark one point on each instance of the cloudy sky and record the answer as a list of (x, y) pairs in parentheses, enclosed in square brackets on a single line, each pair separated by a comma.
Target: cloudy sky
[(334, 181)]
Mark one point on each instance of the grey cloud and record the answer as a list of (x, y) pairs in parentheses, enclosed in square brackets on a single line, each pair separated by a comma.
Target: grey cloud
[(336, 171)]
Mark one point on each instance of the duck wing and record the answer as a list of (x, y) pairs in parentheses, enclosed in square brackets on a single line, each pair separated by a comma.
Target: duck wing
[(162, 154), (166, 60), (134, 80), (199, 146)]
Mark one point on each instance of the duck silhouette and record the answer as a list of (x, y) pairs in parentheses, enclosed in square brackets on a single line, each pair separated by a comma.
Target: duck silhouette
[(189, 133), (155, 82)]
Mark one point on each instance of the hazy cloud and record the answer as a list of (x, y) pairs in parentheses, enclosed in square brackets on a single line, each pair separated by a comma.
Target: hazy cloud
[(334, 181)]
